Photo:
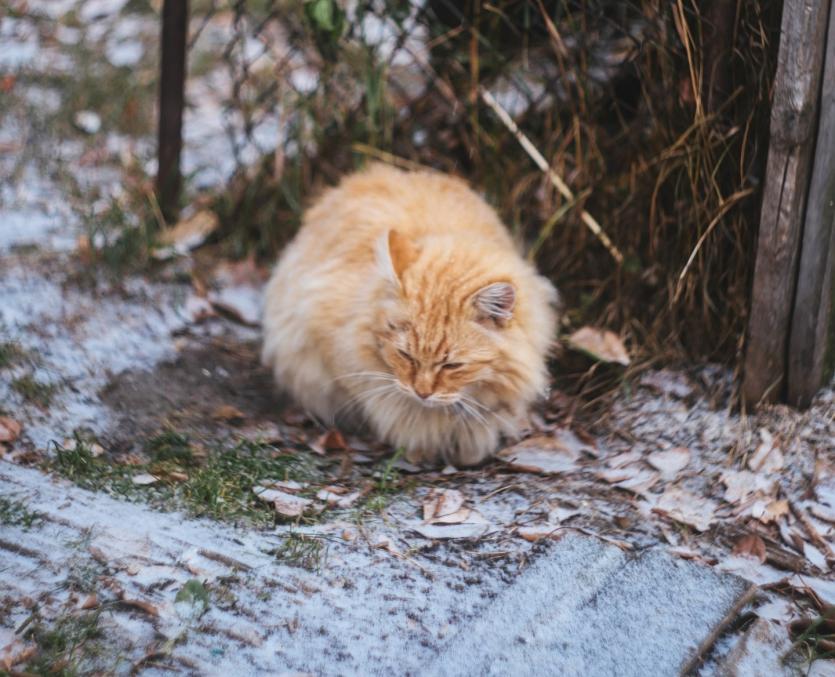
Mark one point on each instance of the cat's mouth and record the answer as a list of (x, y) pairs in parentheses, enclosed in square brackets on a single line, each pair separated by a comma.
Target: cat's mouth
[(431, 401)]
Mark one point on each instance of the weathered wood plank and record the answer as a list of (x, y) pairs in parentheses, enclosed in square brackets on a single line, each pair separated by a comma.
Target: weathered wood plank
[(793, 122), (813, 317), (171, 100)]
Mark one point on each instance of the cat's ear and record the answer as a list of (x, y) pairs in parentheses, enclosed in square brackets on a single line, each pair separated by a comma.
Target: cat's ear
[(395, 253), (495, 302)]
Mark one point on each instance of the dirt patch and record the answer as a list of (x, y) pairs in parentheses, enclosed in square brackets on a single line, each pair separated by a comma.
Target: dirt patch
[(193, 394)]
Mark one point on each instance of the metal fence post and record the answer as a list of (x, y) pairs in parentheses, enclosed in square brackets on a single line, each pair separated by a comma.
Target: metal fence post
[(171, 99)]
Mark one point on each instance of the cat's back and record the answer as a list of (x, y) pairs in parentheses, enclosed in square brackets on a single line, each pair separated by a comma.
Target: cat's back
[(365, 205)]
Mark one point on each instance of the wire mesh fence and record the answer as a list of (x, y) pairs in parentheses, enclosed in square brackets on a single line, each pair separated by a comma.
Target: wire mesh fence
[(653, 114)]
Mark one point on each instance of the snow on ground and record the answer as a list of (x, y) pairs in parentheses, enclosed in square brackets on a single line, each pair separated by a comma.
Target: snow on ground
[(672, 466)]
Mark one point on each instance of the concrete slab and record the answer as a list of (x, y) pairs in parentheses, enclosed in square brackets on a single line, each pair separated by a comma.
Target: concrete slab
[(589, 609), (580, 608)]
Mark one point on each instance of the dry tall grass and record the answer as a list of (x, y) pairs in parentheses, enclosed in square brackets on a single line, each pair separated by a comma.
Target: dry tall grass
[(654, 113)]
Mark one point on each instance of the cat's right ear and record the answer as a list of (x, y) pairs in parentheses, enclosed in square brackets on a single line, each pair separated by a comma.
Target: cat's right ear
[(395, 253)]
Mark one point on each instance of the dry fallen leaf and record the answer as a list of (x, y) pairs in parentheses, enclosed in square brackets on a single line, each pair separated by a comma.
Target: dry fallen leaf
[(768, 458), (687, 508), (750, 545), (9, 429), (16, 652), (444, 506), (767, 511), (144, 479), (228, 413), (630, 478), (624, 459), (285, 504), (140, 604), (475, 526), (332, 440), (670, 462), (290, 486), (740, 484), (601, 344), (537, 533), (549, 454), (338, 500)]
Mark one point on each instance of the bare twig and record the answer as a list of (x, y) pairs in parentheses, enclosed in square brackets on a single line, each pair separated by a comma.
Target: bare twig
[(388, 158), (730, 202), (555, 179)]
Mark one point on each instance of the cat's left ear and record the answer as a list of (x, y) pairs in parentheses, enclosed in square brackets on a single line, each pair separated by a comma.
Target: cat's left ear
[(395, 253), (496, 301)]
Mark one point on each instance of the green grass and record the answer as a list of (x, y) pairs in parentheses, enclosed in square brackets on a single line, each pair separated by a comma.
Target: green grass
[(303, 550), (816, 637), (16, 513), (33, 390), (67, 645), (219, 486), (11, 352)]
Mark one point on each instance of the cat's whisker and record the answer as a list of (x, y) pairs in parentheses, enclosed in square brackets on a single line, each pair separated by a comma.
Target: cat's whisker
[(363, 397), (486, 410), (369, 375), (472, 412)]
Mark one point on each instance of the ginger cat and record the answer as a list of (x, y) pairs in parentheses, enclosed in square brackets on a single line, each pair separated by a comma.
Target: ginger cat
[(402, 304)]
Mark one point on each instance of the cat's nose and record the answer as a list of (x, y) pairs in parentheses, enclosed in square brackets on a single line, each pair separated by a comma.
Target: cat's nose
[(423, 394)]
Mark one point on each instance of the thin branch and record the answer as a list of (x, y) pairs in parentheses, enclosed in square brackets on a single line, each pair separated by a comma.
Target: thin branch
[(555, 179)]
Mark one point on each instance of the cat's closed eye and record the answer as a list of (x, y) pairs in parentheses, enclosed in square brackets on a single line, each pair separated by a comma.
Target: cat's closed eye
[(450, 366), (406, 356)]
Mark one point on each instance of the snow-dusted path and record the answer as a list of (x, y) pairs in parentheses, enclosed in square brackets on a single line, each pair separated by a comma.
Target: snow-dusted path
[(579, 608)]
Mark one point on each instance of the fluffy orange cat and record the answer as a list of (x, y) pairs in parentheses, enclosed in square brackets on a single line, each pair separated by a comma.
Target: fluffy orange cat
[(403, 305)]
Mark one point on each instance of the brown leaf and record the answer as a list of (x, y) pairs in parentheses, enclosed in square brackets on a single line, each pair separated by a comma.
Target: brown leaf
[(475, 526), (670, 462), (332, 440), (630, 478), (91, 602), (228, 413), (285, 504), (687, 508), (768, 511), (445, 506), (548, 454), (750, 545), (537, 533), (9, 429), (140, 604), (740, 484), (768, 458), (338, 500), (601, 344), (15, 653)]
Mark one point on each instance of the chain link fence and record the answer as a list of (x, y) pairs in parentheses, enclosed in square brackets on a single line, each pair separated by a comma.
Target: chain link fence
[(653, 114)]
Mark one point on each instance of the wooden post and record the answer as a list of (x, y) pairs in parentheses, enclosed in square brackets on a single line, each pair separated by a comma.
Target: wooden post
[(813, 321), (171, 97), (792, 136)]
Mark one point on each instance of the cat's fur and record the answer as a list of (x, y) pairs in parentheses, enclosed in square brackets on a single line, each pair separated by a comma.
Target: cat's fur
[(403, 304)]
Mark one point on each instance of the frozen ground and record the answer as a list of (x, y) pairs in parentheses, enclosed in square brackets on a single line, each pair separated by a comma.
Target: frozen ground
[(671, 482)]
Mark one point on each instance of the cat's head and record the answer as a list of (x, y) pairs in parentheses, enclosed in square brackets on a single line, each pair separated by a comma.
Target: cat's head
[(439, 324)]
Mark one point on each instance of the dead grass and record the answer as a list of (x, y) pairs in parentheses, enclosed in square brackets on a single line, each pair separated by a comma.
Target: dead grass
[(618, 99)]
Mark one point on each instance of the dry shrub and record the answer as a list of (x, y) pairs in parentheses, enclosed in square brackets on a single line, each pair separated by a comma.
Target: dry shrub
[(655, 113)]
